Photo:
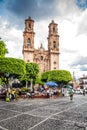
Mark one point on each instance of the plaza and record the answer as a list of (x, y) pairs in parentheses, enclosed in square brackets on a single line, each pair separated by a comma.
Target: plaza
[(44, 114)]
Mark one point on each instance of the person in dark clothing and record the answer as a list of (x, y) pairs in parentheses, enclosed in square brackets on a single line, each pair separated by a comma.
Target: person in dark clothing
[(15, 85)]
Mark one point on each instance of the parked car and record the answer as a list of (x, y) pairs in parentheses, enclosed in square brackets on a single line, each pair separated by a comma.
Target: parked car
[(78, 91), (66, 92), (86, 90)]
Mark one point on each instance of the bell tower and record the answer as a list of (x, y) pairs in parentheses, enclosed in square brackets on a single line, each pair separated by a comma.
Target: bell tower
[(53, 46), (28, 34), (46, 59)]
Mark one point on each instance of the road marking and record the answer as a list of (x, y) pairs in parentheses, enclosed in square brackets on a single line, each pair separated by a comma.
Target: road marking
[(55, 114), (3, 128), (11, 117)]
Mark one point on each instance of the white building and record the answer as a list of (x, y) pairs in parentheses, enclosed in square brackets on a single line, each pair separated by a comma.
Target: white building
[(83, 82)]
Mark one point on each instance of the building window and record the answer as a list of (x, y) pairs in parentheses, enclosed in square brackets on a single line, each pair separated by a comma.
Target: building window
[(54, 62), (41, 57), (28, 42), (29, 25), (54, 44), (27, 60), (53, 29), (54, 68)]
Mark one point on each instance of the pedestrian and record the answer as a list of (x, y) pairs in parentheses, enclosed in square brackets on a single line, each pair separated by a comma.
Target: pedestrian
[(71, 94), (51, 93), (84, 92), (8, 96), (48, 93), (13, 94)]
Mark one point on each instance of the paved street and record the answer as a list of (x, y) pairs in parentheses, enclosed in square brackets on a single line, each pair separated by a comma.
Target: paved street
[(44, 114)]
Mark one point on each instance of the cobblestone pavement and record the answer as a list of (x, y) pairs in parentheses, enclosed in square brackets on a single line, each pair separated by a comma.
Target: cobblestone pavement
[(44, 114)]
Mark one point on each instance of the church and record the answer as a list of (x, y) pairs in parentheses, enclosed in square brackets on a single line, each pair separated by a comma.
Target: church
[(46, 59)]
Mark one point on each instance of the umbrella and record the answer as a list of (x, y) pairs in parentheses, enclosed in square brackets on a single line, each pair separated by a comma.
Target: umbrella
[(51, 83), (68, 86)]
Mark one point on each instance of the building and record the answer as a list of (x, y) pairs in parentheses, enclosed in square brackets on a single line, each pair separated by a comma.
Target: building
[(46, 59), (83, 82)]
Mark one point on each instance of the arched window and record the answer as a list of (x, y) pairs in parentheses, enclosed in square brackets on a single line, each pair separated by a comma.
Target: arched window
[(27, 60), (53, 29), (28, 42), (54, 62), (29, 25), (54, 44), (41, 57)]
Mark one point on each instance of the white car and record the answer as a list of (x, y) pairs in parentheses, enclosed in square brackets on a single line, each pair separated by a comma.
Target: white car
[(78, 91)]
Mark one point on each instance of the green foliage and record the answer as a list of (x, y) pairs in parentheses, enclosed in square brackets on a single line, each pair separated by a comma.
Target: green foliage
[(38, 81), (24, 89), (60, 76), (12, 66), (3, 80), (32, 70), (0, 81), (45, 76), (3, 49)]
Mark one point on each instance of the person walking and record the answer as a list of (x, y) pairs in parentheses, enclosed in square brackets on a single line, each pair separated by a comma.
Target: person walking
[(71, 94), (48, 93), (84, 92)]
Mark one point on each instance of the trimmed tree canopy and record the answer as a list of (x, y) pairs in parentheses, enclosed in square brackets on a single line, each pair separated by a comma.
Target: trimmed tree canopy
[(32, 69), (60, 76), (12, 66)]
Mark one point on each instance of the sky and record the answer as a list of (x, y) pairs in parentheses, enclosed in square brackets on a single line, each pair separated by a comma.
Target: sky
[(71, 17)]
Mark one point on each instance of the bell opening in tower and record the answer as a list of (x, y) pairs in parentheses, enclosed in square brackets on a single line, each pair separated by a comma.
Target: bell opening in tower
[(53, 29), (29, 42), (29, 26), (54, 44)]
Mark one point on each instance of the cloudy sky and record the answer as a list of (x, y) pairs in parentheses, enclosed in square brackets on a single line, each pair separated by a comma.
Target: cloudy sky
[(71, 17)]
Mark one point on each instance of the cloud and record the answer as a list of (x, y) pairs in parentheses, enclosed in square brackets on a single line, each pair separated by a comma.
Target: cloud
[(68, 51), (83, 68), (82, 26), (82, 4), (35, 8), (12, 37), (38, 9), (80, 60), (66, 7), (79, 66)]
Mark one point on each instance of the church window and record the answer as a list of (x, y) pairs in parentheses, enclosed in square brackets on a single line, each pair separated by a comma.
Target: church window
[(27, 60), (53, 29), (54, 62), (41, 57), (29, 25), (54, 44), (28, 42)]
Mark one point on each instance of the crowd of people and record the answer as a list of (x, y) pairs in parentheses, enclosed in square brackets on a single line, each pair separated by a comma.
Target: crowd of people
[(49, 91), (12, 93)]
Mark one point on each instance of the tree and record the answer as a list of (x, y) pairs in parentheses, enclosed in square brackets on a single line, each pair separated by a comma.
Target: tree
[(38, 80), (59, 76), (3, 49), (32, 70), (45, 76), (12, 67)]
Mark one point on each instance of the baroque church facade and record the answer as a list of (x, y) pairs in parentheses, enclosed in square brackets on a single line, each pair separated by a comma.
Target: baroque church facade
[(46, 59)]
